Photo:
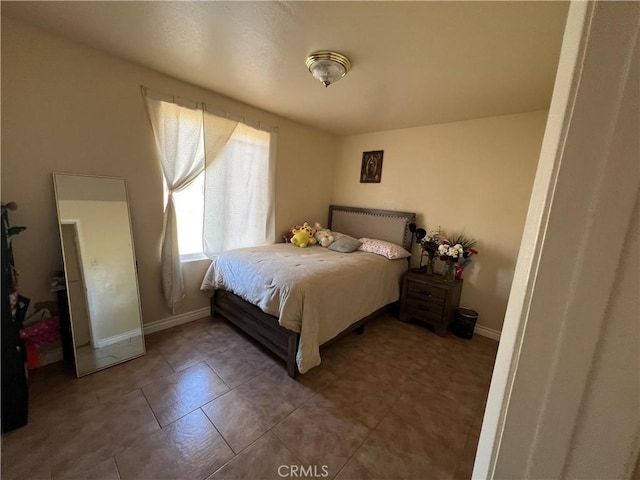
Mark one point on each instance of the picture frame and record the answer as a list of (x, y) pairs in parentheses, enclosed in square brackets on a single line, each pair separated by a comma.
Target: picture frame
[(371, 170)]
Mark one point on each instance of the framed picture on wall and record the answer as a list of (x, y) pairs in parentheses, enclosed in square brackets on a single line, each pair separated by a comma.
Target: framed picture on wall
[(371, 169)]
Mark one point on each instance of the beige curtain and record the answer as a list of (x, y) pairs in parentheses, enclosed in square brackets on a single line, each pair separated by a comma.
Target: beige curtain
[(218, 130), (179, 137), (239, 189)]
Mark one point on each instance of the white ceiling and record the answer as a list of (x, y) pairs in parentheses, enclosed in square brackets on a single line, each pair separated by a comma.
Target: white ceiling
[(414, 63)]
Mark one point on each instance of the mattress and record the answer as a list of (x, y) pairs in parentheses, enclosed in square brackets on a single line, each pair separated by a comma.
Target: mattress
[(313, 291)]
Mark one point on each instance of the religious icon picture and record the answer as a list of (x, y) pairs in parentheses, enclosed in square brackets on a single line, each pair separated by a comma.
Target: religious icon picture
[(371, 170)]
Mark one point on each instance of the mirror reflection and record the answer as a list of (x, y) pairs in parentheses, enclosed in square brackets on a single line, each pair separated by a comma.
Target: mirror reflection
[(102, 285)]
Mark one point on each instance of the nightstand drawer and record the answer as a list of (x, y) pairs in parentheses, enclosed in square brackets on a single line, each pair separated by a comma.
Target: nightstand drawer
[(434, 318), (422, 305), (427, 291), (414, 298)]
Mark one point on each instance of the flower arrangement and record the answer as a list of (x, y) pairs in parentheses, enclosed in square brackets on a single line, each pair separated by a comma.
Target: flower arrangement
[(431, 242), (456, 251), (459, 249)]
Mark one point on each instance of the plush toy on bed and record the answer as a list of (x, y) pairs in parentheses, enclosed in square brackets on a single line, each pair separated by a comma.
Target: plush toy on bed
[(286, 236), (303, 236), (324, 236)]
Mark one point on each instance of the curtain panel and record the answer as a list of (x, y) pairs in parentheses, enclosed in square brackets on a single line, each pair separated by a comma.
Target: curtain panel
[(179, 137), (239, 186), (237, 159)]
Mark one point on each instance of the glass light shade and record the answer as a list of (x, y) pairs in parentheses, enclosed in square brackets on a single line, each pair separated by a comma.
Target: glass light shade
[(328, 67)]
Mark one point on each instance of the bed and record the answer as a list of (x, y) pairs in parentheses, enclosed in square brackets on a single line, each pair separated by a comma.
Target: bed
[(296, 300)]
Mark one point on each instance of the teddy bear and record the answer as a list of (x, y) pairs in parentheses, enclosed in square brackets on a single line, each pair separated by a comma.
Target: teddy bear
[(303, 236), (286, 236), (323, 236)]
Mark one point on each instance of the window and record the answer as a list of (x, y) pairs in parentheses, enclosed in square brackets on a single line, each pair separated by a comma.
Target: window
[(221, 173), (189, 202), (239, 193), (189, 205), (230, 204)]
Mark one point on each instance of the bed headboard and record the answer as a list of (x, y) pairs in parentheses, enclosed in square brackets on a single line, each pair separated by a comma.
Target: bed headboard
[(366, 222)]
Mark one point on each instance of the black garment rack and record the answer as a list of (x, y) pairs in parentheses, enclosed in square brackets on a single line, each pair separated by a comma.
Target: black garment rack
[(15, 392)]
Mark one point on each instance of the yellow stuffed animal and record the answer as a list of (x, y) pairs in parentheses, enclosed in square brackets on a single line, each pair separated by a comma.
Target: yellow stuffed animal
[(303, 236)]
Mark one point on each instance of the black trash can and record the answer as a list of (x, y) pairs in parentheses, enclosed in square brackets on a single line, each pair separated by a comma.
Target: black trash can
[(465, 322)]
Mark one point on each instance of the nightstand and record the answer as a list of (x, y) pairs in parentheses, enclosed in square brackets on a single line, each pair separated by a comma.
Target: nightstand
[(428, 299)]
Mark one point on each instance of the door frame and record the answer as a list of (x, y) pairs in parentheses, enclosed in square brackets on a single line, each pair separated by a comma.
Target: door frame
[(77, 236), (584, 194)]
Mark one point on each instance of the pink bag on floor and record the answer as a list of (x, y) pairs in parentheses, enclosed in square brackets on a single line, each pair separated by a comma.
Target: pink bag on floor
[(37, 335)]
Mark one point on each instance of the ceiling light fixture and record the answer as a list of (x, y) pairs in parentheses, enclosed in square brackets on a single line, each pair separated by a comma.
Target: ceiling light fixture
[(328, 66)]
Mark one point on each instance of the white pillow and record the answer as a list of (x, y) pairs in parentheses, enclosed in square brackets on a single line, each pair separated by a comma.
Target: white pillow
[(386, 249)]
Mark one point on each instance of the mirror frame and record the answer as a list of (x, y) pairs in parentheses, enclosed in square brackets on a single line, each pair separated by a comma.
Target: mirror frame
[(66, 276)]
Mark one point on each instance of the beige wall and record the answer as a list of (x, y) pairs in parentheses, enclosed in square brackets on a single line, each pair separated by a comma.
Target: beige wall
[(473, 177), (69, 108)]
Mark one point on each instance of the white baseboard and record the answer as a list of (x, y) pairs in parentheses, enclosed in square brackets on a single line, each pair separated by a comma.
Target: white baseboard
[(487, 332), (175, 320), (53, 353), (117, 338)]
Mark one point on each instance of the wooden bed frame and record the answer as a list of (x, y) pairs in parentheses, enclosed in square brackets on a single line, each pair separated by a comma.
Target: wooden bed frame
[(357, 222)]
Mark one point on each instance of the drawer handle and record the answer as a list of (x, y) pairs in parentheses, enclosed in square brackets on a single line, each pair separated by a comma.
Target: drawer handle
[(426, 292)]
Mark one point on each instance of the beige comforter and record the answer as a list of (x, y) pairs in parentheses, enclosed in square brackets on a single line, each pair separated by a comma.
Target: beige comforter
[(313, 291)]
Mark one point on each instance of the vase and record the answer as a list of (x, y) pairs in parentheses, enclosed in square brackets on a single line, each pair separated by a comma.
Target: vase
[(458, 271), (430, 266), (449, 272)]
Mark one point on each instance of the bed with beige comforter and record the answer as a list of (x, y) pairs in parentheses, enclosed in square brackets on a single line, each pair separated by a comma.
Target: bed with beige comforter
[(313, 291)]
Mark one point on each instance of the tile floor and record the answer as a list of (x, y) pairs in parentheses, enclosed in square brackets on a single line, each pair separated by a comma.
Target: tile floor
[(89, 358), (205, 402)]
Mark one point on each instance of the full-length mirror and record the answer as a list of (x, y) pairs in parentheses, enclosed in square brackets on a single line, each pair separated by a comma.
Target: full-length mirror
[(100, 270)]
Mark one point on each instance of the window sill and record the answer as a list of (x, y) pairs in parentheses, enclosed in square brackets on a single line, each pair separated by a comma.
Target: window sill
[(193, 257)]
